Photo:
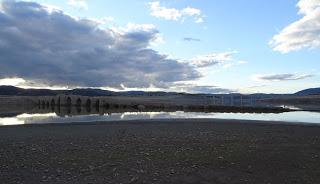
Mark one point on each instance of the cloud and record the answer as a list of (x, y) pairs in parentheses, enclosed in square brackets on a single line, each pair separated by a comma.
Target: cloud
[(304, 33), (103, 22), (82, 4), (281, 77), (209, 90), (53, 48), (188, 87), (11, 81), (190, 39), (225, 59), (234, 63), (108, 19), (257, 86), (155, 39), (307, 6), (194, 88), (175, 14)]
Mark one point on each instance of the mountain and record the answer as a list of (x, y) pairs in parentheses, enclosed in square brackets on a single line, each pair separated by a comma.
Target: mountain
[(15, 91), (307, 92), (89, 92)]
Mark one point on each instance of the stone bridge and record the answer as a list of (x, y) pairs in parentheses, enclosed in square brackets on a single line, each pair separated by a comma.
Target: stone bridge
[(78, 101), (124, 102)]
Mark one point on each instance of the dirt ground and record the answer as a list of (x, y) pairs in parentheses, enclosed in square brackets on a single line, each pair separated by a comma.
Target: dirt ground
[(161, 151)]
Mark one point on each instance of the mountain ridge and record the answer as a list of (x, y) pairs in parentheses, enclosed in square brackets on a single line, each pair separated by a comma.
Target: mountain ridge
[(16, 91), (308, 92)]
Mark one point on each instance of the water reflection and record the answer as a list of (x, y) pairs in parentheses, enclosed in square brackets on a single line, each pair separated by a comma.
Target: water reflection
[(25, 118), (55, 114), (47, 113), (298, 116)]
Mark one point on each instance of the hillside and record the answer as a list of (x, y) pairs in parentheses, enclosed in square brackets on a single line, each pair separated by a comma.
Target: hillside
[(307, 92), (15, 91)]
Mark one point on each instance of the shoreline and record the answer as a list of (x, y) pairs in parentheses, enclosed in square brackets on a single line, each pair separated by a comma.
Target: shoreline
[(172, 121), (161, 151)]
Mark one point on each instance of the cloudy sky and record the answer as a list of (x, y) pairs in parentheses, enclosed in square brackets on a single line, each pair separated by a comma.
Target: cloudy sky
[(210, 46)]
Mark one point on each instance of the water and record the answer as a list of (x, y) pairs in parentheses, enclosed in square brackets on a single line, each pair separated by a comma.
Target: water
[(55, 117)]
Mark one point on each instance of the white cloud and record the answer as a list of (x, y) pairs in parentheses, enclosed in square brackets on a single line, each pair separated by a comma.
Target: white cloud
[(140, 27), (234, 63), (11, 81), (166, 13), (307, 6), (108, 19), (191, 11), (82, 4), (192, 87), (102, 22), (304, 33), (281, 77), (184, 87), (175, 14), (224, 59), (191, 39), (199, 20)]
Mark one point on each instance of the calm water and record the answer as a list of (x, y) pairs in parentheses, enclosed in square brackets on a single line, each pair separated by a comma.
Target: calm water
[(52, 117)]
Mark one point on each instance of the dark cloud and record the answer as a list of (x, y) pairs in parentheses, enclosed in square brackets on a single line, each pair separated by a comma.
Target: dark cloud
[(48, 46), (282, 77), (189, 39)]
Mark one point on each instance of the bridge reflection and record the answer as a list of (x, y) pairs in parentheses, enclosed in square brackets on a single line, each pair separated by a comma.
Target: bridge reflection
[(65, 111), (70, 110)]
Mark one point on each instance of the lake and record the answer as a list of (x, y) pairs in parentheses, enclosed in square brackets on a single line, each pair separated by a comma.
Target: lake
[(35, 117)]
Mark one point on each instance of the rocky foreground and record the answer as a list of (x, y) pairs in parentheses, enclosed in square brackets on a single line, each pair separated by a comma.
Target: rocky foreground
[(161, 151)]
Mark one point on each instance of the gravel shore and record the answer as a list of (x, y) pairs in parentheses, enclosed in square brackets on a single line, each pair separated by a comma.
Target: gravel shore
[(161, 151)]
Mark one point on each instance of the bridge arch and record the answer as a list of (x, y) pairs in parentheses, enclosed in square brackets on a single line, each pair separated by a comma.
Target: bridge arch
[(106, 105), (79, 109), (69, 101), (75, 100), (53, 102), (88, 103), (97, 104), (78, 102)]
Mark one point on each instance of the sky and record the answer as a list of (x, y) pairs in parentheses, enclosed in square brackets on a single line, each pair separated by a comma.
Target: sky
[(196, 46)]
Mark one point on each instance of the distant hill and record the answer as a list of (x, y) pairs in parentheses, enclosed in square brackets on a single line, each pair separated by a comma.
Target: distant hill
[(15, 91), (307, 92), (89, 92)]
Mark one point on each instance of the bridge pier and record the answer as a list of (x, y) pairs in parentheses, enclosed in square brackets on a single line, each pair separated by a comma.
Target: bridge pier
[(73, 100)]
